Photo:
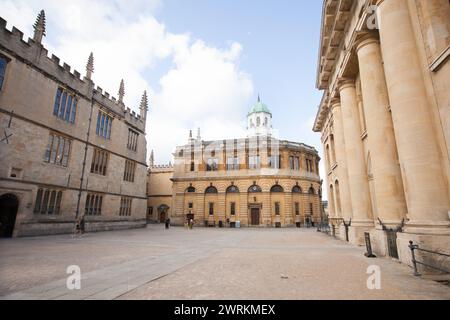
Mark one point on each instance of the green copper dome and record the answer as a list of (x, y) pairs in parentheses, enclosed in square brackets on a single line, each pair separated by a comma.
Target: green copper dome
[(259, 107)]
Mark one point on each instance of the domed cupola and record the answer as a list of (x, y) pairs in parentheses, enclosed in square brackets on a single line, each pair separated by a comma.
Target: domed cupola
[(259, 120)]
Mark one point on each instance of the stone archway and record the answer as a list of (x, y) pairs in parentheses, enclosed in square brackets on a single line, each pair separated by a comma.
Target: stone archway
[(9, 205), (163, 213)]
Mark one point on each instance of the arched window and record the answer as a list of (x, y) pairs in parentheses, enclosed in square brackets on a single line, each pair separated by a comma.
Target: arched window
[(233, 189), (312, 191), (191, 189), (331, 201), (277, 189), (296, 189), (58, 202), (37, 206), (254, 189), (266, 121), (338, 197), (211, 190), (258, 121)]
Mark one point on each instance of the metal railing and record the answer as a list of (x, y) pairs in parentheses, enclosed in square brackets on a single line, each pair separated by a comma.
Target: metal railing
[(323, 227), (413, 247)]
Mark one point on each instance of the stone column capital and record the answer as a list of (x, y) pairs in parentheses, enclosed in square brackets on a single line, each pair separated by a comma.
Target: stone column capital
[(365, 39), (335, 103), (346, 83)]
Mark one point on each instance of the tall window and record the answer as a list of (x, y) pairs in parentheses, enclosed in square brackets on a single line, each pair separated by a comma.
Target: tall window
[(99, 162), (233, 208), (277, 208), (294, 163), (125, 207), (3, 64), (211, 208), (275, 162), (48, 202), (192, 166), (93, 205), (132, 140), (254, 162), (297, 209), (65, 106), (130, 169), (233, 163), (212, 164), (58, 150), (104, 125), (311, 209), (309, 165)]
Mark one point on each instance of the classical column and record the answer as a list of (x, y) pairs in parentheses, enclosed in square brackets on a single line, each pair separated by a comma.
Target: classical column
[(288, 218), (388, 185), (243, 210), (418, 151), (341, 160), (221, 207), (356, 166)]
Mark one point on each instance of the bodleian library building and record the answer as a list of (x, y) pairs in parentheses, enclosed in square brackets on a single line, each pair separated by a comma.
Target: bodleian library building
[(257, 181), (384, 71), (67, 149)]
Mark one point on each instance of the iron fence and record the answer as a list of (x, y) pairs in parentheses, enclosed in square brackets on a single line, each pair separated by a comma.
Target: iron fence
[(414, 247)]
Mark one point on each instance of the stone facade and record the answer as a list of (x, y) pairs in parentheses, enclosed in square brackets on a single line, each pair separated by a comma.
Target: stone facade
[(385, 121), (159, 192), (47, 166), (256, 181)]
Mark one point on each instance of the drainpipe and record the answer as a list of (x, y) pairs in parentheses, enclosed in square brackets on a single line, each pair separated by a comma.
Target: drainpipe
[(85, 150)]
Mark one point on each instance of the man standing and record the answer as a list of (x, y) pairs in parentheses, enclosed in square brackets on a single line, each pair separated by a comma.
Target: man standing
[(167, 223)]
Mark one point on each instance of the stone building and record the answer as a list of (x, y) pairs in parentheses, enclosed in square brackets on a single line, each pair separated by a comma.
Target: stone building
[(67, 148), (159, 191), (385, 121), (253, 181)]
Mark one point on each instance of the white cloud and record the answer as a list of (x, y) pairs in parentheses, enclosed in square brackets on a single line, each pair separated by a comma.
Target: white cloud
[(204, 87)]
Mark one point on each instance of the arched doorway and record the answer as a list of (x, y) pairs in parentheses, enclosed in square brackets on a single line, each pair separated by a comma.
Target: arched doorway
[(9, 204), (163, 213)]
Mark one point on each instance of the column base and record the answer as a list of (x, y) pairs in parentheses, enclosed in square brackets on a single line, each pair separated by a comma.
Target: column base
[(379, 242), (427, 227), (337, 230), (357, 230), (342, 233)]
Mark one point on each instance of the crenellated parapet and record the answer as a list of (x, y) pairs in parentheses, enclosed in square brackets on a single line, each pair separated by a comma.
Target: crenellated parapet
[(34, 54), (161, 168)]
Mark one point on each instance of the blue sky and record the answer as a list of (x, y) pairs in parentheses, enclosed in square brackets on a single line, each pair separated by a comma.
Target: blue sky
[(203, 62), (280, 42)]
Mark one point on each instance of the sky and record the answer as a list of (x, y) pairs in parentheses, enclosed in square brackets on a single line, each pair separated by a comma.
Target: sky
[(203, 62)]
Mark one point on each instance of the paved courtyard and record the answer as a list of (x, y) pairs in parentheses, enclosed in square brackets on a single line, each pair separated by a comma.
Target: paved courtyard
[(154, 263)]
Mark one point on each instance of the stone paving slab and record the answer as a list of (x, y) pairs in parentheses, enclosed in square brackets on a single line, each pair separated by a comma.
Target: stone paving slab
[(202, 263)]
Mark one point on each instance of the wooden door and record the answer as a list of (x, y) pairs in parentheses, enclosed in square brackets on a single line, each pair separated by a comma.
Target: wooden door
[(255, 216)]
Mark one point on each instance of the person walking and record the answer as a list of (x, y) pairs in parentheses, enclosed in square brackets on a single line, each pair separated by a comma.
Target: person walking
[(191, 224)]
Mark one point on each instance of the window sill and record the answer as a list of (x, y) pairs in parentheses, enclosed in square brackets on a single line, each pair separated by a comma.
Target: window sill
[(364, 135), (440, 60), (56, 165)]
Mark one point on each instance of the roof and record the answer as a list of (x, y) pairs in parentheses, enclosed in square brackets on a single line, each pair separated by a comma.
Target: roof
[(259, 107)]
